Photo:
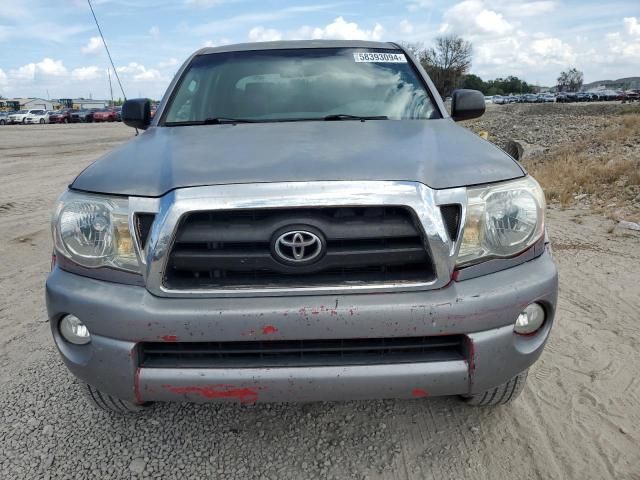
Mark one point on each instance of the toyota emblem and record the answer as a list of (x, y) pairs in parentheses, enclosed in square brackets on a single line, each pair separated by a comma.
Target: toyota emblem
[(298, 247)]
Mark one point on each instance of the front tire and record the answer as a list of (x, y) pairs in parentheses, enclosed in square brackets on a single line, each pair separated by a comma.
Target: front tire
[(500, 395), (112, 404), (42, 121)]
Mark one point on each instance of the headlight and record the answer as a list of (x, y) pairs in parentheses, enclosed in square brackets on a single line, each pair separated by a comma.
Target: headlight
[(93, 231), (502, 220)]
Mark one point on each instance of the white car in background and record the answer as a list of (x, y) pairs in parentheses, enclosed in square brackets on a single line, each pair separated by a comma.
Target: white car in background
[(21, 116), (38, 116)]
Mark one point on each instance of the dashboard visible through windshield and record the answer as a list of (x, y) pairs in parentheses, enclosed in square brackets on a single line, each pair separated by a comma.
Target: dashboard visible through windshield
[(298, 85)]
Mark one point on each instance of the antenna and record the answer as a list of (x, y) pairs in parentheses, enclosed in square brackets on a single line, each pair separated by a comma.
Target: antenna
[(107, 49)]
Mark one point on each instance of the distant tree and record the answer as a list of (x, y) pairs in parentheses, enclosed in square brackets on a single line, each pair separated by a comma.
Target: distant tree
[(474, 82), (447, 62), (570, 80)]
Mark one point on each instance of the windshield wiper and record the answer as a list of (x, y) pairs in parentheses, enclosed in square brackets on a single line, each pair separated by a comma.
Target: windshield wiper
[(345, 116), (220, 120), (210, 121)]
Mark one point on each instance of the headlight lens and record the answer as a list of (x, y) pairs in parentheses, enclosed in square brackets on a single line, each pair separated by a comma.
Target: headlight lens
[(502, 220), (93, 231)]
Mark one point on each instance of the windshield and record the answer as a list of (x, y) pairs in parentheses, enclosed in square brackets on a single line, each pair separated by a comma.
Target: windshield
[(300, 84)]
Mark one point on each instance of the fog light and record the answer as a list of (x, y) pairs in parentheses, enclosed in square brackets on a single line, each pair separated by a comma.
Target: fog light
[(529, 320), (74, 331)]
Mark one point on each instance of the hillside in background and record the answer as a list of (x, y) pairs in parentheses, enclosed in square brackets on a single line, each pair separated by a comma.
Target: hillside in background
[(619, 84)]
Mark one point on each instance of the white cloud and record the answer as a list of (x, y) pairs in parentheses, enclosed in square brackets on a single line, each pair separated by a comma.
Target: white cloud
[(171, 62), (528, 9), (406, 27), (139, 72), (340, 29), (416, 5), (623, 47), (154, 31), (261, 34), (473, 17), (4, 80), (86, 73), (93, 47), (47, 67), (631, 26), (203, 3), (552, 50)]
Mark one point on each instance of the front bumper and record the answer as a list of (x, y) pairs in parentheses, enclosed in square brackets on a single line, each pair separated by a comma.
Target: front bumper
[(484, 309)]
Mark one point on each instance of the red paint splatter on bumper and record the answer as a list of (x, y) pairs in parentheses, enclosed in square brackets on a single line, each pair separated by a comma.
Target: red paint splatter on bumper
[(419, 393), (242, 394)]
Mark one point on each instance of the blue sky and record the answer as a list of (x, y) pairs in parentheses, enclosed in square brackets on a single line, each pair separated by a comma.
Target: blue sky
[(52, 45)]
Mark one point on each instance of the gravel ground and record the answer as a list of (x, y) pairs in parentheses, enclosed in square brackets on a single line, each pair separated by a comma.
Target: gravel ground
[(578, 417), (537, 124)]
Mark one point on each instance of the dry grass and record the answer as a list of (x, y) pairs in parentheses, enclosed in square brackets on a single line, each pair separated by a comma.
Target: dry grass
[(632, 109), (606, 167)]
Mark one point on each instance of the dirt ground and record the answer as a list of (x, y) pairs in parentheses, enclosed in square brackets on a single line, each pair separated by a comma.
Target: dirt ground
[(579, 416)]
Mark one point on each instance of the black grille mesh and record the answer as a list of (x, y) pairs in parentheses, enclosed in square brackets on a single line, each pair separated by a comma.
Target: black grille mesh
[(218, 249), (298, 353)]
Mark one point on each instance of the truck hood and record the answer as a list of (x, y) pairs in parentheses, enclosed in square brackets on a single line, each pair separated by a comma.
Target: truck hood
[(437, 153)]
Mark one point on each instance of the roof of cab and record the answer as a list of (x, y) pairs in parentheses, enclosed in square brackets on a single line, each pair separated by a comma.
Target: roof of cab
[(293, 44)]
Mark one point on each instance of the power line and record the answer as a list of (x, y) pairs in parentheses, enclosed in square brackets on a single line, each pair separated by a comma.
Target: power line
[(107, 49)]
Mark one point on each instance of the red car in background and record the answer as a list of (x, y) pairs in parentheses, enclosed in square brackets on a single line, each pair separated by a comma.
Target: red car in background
[(62, 116), (105, 115)]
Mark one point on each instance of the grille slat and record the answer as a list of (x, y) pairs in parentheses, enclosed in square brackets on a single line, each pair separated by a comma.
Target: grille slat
[(300, 353), (218, 249)]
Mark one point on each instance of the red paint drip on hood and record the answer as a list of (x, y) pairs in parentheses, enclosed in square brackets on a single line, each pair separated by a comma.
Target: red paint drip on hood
[(267, 329), (169, 338), (244, 395)]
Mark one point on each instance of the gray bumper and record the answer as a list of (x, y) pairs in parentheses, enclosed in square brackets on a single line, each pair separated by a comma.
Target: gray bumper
[(483, 308)]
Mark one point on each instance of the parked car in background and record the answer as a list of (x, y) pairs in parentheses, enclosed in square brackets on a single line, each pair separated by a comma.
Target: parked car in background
[(546, 98), (488, 99), (38, 116), (4, 118), (83, 115), (498, 99), (118, 111), (531, 98), (21, 116), (104, 115), (61, 116)]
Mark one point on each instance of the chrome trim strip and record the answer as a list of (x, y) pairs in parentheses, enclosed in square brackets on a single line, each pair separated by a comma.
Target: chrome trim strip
[(423, 200), (140, 205)]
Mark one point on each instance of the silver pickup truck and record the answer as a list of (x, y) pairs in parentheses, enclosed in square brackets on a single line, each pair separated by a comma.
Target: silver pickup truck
[(301, 221)]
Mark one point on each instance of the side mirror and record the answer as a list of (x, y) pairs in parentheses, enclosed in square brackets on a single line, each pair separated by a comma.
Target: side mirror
[(136, 113), (467, 104)]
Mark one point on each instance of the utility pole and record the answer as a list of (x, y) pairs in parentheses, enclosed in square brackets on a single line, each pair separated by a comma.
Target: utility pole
[(110, 88)]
